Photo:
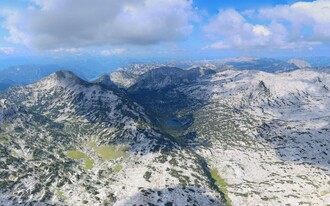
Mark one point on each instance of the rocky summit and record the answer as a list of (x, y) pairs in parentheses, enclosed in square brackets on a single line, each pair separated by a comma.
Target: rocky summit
[(161, 135)]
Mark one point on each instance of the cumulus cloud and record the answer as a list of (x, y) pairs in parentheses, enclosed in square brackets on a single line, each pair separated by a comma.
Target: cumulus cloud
[(113, 52), (52, 24), (307, 20), (297, 26), (234, 31)]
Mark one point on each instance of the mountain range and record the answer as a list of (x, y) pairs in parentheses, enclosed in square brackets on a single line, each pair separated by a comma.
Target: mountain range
[(209, 134), (28, 73)]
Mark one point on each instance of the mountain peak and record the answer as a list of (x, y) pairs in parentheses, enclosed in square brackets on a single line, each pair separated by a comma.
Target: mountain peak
[(105, 81), (64, 74), (300, 63), (63, 78)]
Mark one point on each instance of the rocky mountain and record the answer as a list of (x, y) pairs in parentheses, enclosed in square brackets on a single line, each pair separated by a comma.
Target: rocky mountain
[(168, 136), (265, 134), (106, 82), (300, 63), (261, 64), (65, 141), (168, 76), (28, 74), (25, 74), (127, 76), (138, 73)]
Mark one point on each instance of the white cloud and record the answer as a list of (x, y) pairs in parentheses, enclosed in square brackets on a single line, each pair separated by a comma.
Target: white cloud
[(317, 11), (7, 50), (297, 26), (230, 29), (53, 24), (260, 30), (68, 50), (307, 20), (113, 52)]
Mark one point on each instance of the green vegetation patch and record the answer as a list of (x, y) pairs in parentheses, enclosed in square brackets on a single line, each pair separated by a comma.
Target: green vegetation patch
[(117, 168), (111, 152), (325, 192), (60, 193), (89, 163), (92, 144), (222, 184), (105, 152), (75, 154)]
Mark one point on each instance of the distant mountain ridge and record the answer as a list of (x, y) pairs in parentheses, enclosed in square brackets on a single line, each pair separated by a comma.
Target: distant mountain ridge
[(168, 76), (28, 74), (127, 76), (300, 63)]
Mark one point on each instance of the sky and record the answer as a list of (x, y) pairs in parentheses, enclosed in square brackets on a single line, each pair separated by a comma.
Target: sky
[(163, 29)]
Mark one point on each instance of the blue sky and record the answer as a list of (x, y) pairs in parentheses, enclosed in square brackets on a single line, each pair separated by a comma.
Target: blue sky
[(163, 29)]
